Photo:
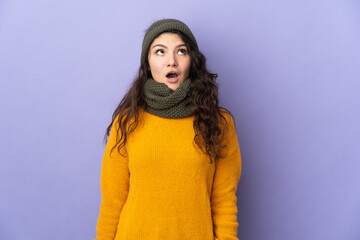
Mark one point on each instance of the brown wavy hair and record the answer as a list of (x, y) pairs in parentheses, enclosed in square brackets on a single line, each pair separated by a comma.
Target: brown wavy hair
[(209, 122)]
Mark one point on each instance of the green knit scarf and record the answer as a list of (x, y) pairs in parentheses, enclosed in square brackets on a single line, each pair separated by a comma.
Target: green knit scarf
[(165, 102)]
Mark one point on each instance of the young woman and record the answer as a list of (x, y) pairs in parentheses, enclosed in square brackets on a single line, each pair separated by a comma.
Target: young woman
[(172, 161)]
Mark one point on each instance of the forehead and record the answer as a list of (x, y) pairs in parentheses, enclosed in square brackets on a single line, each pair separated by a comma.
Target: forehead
[(168, 39)]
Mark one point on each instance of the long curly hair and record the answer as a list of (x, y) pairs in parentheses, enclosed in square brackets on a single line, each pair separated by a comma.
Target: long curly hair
[(209, 121)]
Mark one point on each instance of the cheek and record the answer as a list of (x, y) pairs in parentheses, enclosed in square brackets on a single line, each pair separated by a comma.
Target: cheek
[(188, 65), (153, 66)]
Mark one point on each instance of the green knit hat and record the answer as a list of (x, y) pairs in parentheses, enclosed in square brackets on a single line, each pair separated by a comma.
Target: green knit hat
[(161, 26)]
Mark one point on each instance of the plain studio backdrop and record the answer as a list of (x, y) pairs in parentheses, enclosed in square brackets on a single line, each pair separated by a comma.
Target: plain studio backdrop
[(289, 71)]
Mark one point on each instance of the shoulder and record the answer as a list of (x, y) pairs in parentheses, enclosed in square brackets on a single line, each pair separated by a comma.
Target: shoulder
[(227, 117), (227, 126), (127, 116)]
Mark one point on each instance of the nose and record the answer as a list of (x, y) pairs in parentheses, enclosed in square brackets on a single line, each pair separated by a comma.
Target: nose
[(172, 62)]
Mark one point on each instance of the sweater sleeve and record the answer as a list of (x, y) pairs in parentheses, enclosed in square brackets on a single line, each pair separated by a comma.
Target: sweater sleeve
[(223, 197), (114, 189)]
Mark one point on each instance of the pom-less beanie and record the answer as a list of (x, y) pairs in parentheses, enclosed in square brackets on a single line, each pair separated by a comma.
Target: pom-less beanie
[(161, 26)]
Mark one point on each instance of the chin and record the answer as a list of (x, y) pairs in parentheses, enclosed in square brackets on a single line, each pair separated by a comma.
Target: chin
[(173, 87)]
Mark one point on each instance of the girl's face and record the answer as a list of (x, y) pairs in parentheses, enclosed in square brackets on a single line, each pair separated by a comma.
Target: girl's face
[(169, 60)]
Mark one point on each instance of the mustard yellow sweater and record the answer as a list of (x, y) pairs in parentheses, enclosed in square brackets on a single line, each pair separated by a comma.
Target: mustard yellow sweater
[(165, 188)]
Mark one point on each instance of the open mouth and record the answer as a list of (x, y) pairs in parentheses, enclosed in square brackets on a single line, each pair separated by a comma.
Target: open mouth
[(172, 75)]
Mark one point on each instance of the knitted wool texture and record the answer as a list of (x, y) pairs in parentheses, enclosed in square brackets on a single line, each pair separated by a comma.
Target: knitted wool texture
[(161, 26), (164, 188), (165, 102)]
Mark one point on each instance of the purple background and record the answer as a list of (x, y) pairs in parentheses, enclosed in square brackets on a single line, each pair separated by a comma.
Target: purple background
[(288, 70)]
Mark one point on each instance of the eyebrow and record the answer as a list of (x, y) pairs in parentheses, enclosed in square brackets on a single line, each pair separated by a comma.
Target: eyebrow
[(161, 45)]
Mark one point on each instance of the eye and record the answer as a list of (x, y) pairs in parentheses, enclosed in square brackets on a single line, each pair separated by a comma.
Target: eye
[(182, 51), (159, 52)]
